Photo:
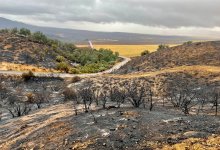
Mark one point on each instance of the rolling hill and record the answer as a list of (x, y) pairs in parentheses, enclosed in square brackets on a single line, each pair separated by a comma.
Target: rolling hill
[(194, 54), (37, 50), (81, 36)]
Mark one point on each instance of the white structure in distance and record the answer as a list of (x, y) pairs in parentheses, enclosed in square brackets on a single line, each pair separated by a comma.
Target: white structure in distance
[(90, 44)]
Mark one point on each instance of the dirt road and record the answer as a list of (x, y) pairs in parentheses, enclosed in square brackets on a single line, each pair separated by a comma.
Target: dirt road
[(66, 75)]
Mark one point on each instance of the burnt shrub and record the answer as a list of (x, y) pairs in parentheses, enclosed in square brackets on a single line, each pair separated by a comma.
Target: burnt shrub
[(144, 53), (27, 76), (70, 94), (75, 79), (17, 106)]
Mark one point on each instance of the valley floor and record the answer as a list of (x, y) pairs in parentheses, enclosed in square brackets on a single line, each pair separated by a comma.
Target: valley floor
[(128, 50)]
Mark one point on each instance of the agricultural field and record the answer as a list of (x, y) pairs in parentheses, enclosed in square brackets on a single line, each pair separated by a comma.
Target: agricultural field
[(128, 50)]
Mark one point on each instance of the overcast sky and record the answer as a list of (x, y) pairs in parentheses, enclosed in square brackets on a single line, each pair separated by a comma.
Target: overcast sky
[(167, 17)]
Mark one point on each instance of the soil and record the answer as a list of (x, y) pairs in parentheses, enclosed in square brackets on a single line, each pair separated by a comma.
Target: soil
[(57, 127)]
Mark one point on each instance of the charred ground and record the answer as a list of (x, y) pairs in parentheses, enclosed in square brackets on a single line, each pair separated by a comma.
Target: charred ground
[(158, 106)]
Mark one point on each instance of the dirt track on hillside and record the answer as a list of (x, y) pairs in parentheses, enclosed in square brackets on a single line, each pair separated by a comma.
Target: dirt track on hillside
[(66, 75)]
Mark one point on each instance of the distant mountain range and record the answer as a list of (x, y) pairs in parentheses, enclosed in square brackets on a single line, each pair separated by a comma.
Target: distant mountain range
[(81, 36)]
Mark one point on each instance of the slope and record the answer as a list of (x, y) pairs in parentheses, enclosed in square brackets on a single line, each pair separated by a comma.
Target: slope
[(201, 53), (36, 49)]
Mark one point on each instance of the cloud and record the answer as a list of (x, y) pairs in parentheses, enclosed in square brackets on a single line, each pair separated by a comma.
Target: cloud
[(154, 13)]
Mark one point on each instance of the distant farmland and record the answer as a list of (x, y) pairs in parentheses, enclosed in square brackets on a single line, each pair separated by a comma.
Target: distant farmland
[(128, 50)]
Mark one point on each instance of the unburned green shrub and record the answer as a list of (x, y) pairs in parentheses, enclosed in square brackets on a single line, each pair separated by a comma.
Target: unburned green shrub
[(63, 66), (60, 59), (74, 71)]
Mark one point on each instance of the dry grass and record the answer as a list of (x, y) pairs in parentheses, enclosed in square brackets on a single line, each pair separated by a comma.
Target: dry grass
[(129, 114), (19, 67), (211, 143), (128, 50), (31, 125), (83, 145)]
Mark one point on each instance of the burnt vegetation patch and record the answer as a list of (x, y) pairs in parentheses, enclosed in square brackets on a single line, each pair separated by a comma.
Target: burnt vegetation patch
[(19, 96), (112, 112), (137, 112)]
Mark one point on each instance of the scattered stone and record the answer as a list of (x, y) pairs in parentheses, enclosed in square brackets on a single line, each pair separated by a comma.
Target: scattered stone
[(195, 134), (174, 120), (112, 129), (65, 142), (121, 113), (121, 126), (104, 144)]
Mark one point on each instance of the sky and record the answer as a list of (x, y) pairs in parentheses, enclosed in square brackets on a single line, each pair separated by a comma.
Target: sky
[(165, 17)]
